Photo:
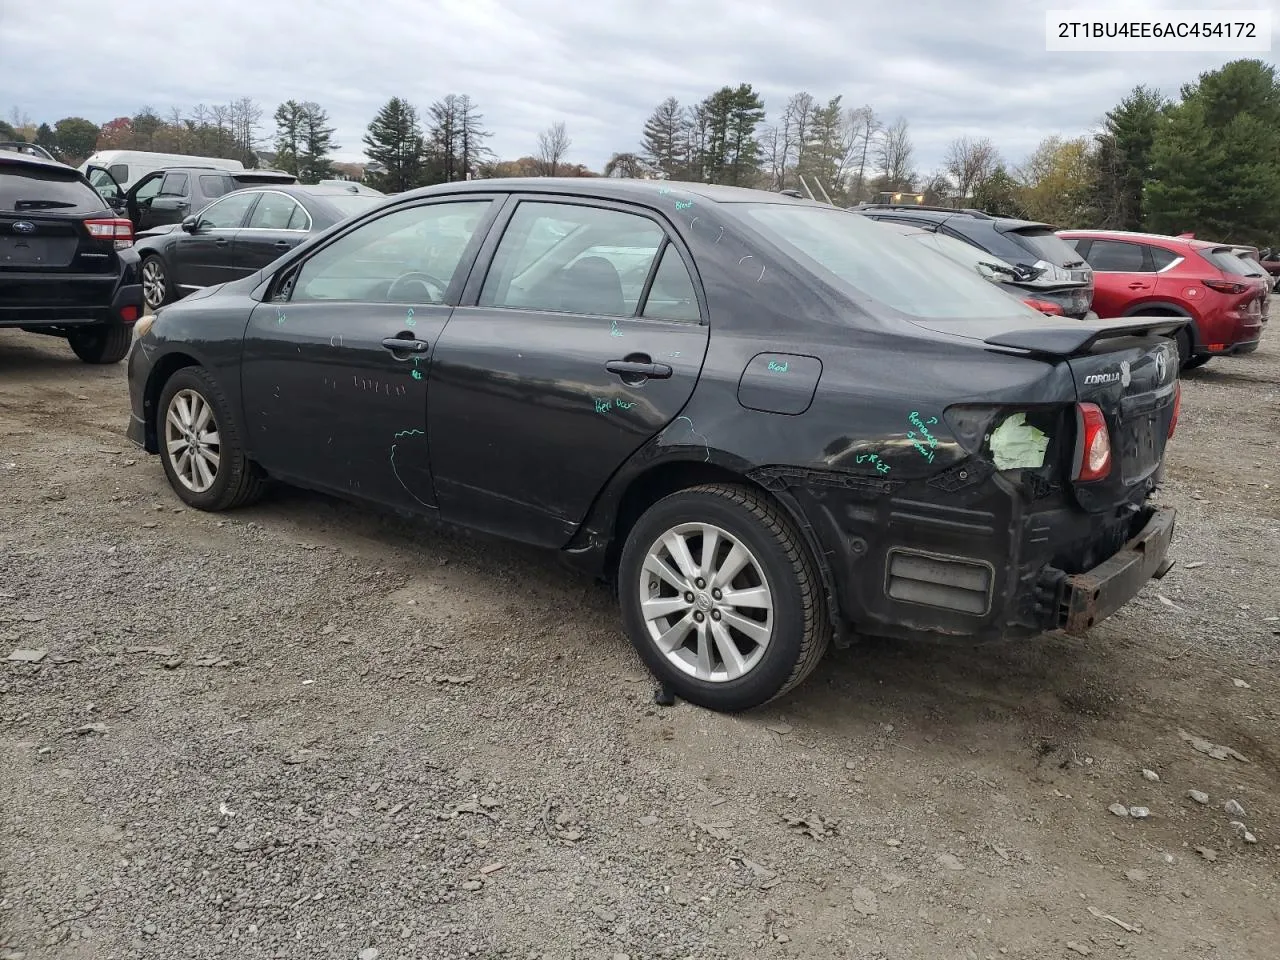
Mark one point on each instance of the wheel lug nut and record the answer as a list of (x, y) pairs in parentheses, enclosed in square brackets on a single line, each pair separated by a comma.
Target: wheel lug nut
[(717, 594), (699, 617), (715, 614), (688, 598), (700, 583)]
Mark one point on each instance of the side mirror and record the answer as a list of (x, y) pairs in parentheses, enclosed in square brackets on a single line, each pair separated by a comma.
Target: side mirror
[(190, 223)]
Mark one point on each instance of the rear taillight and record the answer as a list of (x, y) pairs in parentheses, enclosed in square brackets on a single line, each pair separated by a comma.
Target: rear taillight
[(1225, 286), (129, 313), (1044, 306), (1095, 448), (118, 229), (1177, 407)]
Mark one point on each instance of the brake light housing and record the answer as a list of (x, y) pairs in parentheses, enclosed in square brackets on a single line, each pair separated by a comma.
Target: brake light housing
[(1094, 458), (117, 229), (1226, 286), (1044, 306)]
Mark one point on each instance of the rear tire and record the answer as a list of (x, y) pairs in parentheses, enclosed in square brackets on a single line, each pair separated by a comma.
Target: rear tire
[(108, 343), (757, 625), (200, 445), (1197, 361), (156, 289)]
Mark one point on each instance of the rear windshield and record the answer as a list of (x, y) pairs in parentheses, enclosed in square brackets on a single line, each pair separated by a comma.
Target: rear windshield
[(880, 266), (1046, 245), (1228, 262), (349, 204), (26, 188)]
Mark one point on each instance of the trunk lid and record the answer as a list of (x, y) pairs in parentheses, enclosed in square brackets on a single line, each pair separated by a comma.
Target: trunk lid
[(1129, 369), (43, 207)]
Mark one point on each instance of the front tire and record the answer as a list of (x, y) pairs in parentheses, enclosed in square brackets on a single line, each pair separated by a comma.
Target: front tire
[(721, 597), (108, 343), (200, 446)]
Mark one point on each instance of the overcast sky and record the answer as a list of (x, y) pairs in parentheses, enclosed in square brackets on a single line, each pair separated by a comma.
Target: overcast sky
[(951, 67)]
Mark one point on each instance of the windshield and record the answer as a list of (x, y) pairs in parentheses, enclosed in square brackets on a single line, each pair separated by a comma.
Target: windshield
[(1046, 245), (352, 203), (875, 264)]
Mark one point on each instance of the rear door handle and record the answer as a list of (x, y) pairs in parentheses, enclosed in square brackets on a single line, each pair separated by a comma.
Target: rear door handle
[(632, 368), (1138, 285), (405, 345), (282, 244), (220, 241)]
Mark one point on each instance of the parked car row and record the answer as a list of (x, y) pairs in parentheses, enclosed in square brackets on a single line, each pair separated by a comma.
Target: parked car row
[(1223, 289)]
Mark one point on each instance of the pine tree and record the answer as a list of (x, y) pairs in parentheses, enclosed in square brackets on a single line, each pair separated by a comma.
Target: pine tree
[(288, 119), (665, 142), (314, 163), (1124, 157), (395, 141)]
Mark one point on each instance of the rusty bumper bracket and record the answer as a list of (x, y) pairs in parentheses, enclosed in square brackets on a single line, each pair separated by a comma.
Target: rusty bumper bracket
[(1095, 594)]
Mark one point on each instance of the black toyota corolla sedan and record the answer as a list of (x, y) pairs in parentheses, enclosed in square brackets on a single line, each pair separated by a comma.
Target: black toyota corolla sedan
[(238, 234), (771, 424)]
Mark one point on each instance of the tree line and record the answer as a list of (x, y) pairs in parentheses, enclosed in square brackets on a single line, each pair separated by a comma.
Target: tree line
[(1206, 162)]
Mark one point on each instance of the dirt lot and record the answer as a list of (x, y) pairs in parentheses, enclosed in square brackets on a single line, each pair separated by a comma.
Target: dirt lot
[(306, 730)]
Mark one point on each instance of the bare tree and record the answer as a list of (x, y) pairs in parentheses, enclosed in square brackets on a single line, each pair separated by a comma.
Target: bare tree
[(970, 163), (629, 165), (893, 152), (860, 129), (553, 144), (795, 133)]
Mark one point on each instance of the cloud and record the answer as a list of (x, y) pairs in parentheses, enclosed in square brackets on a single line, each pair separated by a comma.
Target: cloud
[(949, 68)]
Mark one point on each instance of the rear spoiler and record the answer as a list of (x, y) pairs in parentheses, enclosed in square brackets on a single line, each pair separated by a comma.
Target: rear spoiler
[(1079, 338)]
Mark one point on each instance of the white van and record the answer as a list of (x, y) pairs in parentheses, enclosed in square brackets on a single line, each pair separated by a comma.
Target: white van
[(127, 167)]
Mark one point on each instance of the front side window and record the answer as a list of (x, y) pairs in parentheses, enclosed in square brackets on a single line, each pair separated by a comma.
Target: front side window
[(175, 185), (1116, 256), (564, 258), (877, 265), (149, 189), (227, 213), (409, 256), (275, 211)]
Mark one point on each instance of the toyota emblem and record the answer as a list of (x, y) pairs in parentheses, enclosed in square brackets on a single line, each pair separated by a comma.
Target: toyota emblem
[(24, 226), (1162, 366)]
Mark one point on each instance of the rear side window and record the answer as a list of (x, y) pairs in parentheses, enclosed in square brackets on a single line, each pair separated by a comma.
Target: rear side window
[(24, 188), (1115, 256), (671, 297), (213, 186), (879, 267), (1161, 258), (1046, 245)]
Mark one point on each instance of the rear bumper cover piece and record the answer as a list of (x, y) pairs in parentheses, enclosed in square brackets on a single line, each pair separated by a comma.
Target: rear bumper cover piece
[(1092, 596)]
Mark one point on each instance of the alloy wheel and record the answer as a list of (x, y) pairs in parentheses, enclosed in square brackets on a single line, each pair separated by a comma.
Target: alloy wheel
[(706, 603), (153, 283), (192, 441)]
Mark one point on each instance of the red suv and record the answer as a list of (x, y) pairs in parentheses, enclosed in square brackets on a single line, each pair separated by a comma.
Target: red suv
[(1145, 274)]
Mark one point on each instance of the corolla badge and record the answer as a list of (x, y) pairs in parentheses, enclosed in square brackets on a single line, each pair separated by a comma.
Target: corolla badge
[(24, 226)]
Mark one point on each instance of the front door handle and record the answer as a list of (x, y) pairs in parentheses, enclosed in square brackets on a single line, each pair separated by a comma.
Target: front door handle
[(636, 368), (282, 244), (1137, 285), (405, 345), (220, 241)]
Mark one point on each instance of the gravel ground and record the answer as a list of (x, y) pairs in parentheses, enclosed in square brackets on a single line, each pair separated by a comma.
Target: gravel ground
[(308, 730)]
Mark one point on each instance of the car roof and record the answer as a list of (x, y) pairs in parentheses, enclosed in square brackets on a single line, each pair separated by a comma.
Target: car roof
[(1193, 243), (936, 215), (27, 159), (611, 188)]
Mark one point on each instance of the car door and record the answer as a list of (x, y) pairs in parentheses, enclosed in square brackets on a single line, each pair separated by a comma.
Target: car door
[(1122, 273), (172, 204), (277, 225), (336, 361), (138, 200), (203, 256), (582, 340)]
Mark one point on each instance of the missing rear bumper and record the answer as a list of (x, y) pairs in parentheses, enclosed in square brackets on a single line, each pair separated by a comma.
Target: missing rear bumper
[(1094, 595)]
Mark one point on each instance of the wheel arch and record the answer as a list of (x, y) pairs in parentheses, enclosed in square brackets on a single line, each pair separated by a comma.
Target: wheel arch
[(598, 543), (160, 374)]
